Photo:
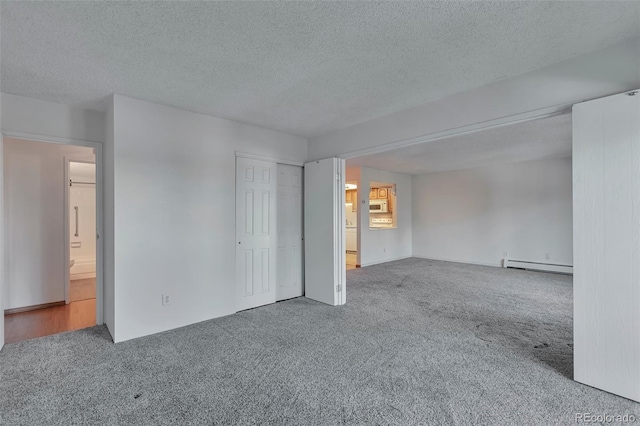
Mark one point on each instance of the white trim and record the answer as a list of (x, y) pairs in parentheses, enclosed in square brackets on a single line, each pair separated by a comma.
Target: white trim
[(537, 266), (340, 253), (66, 246), (484, 125), (99, 205), (50, 139), (83, 276), (269, 159), (385, 261), (466, 262)]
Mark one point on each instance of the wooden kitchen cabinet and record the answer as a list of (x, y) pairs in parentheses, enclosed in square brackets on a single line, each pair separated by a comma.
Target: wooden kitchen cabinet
[(352, 197), (373, 194), (382, 193)]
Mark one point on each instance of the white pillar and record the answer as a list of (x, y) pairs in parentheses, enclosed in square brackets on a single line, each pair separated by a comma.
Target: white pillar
[(606, 244)]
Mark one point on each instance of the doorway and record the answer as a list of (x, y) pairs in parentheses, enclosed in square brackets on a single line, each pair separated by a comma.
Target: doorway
[(351, 224), (80, 233), (52, 255)]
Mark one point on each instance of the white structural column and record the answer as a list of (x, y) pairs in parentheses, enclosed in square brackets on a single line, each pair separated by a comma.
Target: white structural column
[(606, 238)]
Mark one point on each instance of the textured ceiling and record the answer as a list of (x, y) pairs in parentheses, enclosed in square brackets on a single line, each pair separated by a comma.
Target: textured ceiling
[(304, 68), (531, 140)]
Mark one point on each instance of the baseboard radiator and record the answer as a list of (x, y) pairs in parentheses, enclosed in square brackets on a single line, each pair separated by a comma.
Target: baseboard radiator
[(537, 266)]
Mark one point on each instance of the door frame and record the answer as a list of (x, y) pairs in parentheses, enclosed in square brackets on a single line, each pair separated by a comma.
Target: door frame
[(67, 239), (98, 147), (301, 169)]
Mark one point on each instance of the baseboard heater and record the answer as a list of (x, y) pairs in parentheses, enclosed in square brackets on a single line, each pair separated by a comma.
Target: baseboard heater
[(537, 266)]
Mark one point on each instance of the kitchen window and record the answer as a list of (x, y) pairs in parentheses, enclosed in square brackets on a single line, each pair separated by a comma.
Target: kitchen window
[(382, 205)]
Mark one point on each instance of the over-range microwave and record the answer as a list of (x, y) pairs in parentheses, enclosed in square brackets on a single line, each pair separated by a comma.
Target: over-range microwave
[(378, 206)]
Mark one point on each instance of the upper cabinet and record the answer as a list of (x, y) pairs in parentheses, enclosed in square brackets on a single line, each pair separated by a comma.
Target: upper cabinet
[(352, 197)]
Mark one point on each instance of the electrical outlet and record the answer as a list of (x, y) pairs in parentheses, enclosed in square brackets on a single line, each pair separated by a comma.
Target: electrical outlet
[(505, 254), (384, 249), (166, 300), (547, 256)]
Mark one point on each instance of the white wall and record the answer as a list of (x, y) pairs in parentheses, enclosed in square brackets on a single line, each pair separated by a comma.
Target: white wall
[(174, 212), (383, 245), (35, 117), (601, 73), (474, 216), (34, 220)]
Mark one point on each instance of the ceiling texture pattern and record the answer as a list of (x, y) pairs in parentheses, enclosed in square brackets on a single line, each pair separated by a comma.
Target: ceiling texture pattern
[(532, 140), (303, 68)]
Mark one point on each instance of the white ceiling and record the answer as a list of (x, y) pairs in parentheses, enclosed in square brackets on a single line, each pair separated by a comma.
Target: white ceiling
[(305, 68), (531, 140)]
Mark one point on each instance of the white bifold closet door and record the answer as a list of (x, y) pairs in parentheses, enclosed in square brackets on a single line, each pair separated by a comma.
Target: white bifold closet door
[(606, 244), (289, 256), (324, 231), (256, 238)]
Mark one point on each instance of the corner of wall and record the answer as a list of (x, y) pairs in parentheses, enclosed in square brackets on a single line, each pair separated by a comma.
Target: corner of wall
[(2, 280), (109, 223)]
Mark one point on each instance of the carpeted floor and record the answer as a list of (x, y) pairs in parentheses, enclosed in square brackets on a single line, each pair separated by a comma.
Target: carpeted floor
[(419, 342)]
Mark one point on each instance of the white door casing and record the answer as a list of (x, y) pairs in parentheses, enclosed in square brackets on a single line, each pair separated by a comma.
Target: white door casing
[(324, 231), (255, 233), (289, 212)]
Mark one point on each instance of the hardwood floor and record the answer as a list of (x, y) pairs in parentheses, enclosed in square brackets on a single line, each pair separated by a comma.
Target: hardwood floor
[(352, 259), (82, 289), (43, 322)]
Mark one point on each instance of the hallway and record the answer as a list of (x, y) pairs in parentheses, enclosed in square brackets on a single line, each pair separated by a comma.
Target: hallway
[(79, 313), (43, 322)]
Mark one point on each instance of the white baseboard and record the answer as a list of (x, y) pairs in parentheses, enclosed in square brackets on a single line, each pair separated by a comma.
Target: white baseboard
[(82, 269), (385, 261), (538, 266), (468, 262), (82, 276)]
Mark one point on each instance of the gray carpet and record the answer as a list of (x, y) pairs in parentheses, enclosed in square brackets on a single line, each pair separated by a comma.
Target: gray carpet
[(419, 342)]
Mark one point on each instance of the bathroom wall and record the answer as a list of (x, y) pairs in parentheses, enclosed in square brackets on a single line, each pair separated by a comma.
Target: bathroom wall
[(82, 194), (34, 220)]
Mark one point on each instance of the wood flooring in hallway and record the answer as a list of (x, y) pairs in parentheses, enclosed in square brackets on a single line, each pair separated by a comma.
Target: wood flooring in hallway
[(43, 322)]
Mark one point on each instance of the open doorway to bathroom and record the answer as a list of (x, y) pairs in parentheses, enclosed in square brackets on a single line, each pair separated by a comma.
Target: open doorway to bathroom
[(50, 238), (80, 243)]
